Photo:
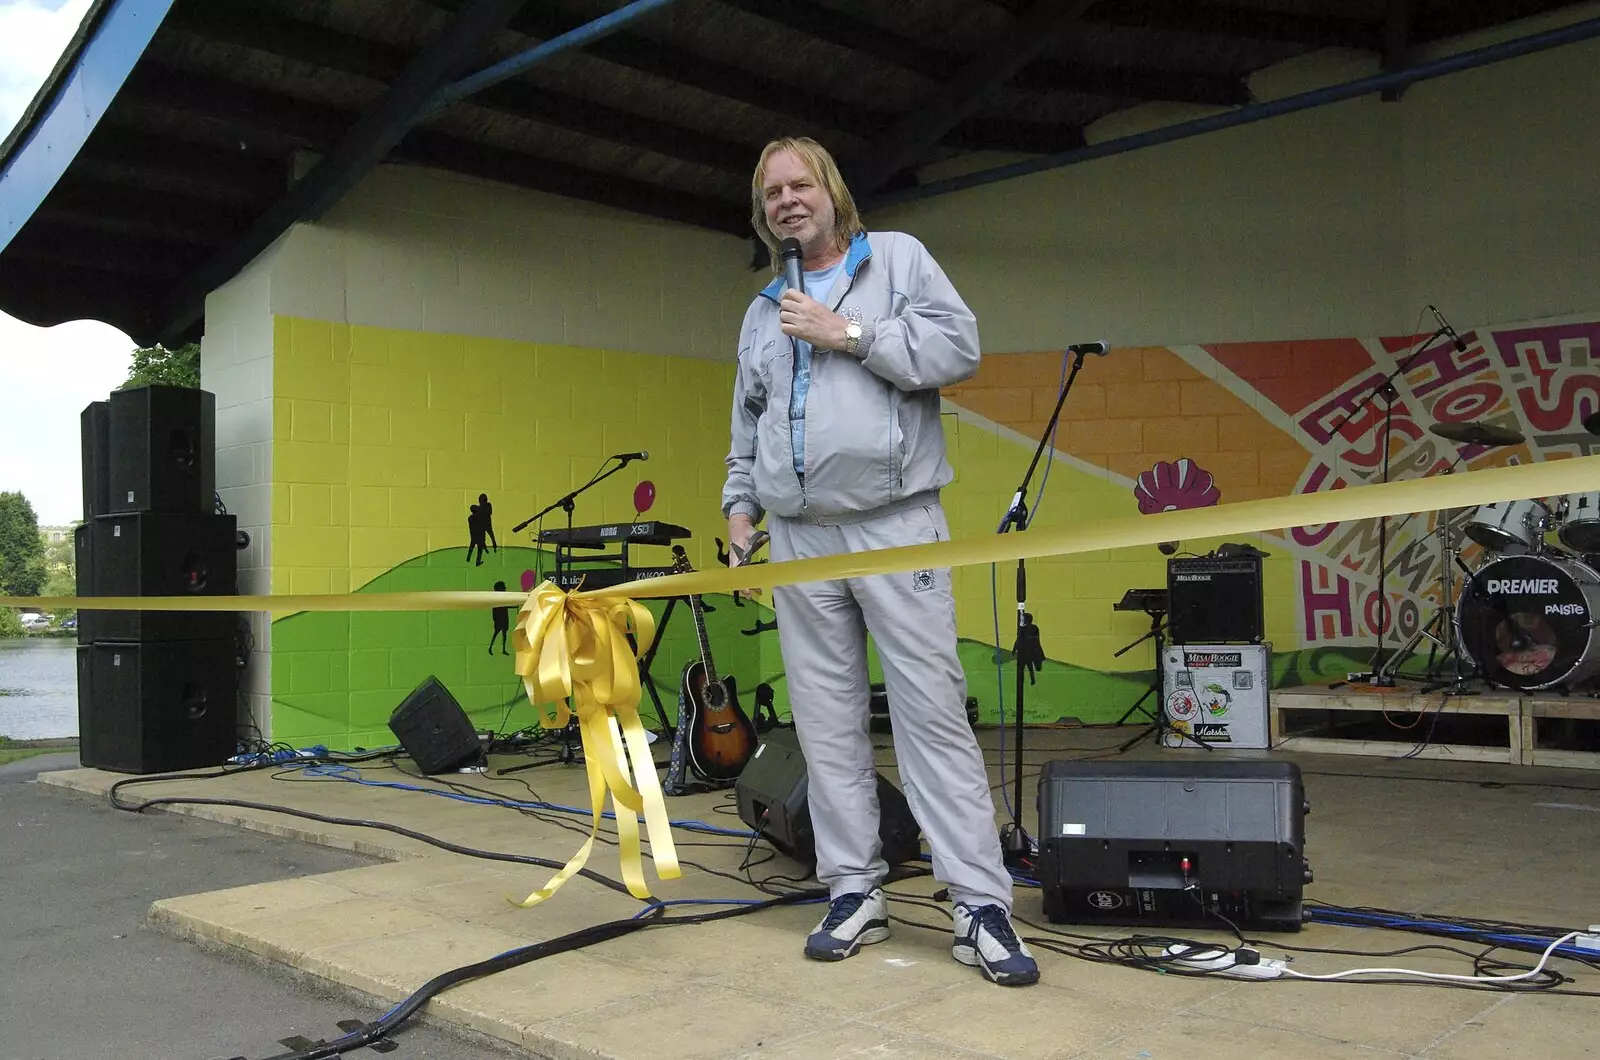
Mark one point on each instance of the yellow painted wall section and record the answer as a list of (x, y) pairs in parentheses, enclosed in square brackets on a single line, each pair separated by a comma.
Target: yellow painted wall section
[(385, 438)]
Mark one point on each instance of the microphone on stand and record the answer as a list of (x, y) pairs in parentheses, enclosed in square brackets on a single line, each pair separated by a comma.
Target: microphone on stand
[(1444, 325), (1099, 349), (625, 457)]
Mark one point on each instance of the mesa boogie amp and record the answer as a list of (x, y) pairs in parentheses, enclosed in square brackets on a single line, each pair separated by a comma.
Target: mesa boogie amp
[(1214, 600)]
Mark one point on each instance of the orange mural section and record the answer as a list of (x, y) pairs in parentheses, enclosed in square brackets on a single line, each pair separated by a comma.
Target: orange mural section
[(1136, 408)]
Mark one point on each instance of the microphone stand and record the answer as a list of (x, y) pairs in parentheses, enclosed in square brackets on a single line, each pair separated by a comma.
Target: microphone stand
[(565, 503), (1377, 677), (1015, 844)]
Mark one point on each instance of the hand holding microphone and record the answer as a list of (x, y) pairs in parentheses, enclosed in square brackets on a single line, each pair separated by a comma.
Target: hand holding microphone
[(801, 316)]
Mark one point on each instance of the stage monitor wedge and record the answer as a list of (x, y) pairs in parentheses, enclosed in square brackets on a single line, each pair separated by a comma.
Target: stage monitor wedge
[(1173, 844)]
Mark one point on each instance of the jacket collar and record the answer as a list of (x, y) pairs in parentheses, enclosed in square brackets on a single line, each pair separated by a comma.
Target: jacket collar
[(858, 251)]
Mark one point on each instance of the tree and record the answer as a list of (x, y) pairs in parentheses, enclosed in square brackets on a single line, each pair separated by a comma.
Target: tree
[(163, 367), (22, 570), (61, 576)]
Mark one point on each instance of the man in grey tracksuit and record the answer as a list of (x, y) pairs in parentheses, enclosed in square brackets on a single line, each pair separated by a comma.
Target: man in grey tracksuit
[(838, 444)]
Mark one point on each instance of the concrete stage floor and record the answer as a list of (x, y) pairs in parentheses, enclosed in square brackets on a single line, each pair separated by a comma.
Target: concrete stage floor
[(1464, 838)]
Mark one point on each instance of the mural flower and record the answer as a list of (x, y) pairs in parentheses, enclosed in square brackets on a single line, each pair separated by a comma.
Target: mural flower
[(1175, 486)]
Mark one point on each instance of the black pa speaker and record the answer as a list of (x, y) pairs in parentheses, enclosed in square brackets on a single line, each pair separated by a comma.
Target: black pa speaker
[(434, 730), (771, 794), (1173, 843), (163, 450), (157, 554), (1215, 600), (95, 436), (157, 708)]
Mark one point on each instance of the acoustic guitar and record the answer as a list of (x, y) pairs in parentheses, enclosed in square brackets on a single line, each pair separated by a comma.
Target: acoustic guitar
[(721, 737)]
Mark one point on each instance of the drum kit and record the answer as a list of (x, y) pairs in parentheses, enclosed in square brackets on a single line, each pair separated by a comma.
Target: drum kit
[(1524, 618)]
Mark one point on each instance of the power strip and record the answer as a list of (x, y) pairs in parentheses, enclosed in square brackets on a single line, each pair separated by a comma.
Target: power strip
[(1226, 963)]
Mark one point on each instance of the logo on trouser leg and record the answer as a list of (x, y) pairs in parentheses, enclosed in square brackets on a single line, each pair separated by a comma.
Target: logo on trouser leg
[(921, 581)]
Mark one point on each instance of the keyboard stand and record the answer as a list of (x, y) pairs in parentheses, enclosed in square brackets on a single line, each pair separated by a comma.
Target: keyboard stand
[(646, 679)]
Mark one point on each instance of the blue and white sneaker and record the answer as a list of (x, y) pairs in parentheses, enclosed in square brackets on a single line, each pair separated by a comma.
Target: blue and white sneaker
[(853, 921), (985, 940)]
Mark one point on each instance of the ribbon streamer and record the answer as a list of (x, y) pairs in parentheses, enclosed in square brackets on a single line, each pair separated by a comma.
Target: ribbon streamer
[(1548, 478), (575, 645), (574, 648)]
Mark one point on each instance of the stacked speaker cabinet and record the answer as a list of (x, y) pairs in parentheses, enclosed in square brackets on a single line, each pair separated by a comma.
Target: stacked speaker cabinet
[(157, 690)]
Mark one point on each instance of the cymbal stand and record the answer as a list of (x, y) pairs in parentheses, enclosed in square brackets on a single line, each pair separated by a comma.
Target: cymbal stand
[(1386, 390), (1440, 629)]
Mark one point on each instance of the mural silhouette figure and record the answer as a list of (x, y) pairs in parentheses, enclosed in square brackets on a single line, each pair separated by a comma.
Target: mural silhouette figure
[(502, 623), (480, 527)]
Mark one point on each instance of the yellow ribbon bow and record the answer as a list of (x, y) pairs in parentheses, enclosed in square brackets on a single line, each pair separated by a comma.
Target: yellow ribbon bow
[(573, 646)]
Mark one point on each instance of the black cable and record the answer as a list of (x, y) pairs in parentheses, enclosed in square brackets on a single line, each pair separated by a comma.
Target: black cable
[(583, 937), (349, 822)]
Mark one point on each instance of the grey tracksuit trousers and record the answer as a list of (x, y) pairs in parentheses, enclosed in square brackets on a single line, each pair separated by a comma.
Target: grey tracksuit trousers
[(822, 629)]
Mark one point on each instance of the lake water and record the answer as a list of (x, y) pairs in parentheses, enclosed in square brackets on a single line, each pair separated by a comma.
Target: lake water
[(38, 687)]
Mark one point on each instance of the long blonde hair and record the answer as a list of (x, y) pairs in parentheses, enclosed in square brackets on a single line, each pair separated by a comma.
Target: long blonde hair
[(846, 220)]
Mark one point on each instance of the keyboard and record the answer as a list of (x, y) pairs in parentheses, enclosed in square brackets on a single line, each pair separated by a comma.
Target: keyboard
[(607, 534), (605, 577)]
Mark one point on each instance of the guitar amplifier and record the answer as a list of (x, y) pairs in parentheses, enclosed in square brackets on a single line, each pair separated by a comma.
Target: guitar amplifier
[(1215, 600), (1173, 843)]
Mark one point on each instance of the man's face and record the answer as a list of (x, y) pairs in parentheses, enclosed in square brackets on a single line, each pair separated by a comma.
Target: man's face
[(796, 204)]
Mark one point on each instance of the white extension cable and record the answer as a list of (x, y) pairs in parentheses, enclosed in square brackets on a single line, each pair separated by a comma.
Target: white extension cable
[(1530, 973)]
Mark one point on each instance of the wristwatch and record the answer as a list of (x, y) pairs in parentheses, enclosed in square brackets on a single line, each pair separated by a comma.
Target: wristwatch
[(853, 332)]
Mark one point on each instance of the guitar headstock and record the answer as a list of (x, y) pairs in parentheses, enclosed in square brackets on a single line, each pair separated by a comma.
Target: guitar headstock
[(680, 560)]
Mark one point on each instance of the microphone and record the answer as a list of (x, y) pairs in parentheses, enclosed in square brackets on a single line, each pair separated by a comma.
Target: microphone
[(1444, 325), (790, 251), (1099, 349), (625, 457)]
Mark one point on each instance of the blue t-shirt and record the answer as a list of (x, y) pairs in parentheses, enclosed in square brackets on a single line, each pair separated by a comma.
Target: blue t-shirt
[(817, 286)]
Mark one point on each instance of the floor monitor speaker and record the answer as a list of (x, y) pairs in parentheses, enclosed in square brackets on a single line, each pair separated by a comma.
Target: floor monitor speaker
[(1177, 844), (435, 731), (771, 795)]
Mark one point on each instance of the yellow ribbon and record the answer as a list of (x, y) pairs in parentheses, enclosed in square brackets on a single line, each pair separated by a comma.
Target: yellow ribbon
[(573, 647)]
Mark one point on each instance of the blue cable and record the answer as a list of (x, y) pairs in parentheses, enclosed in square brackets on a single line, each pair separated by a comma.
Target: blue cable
[(340, 771), (1344, 918)]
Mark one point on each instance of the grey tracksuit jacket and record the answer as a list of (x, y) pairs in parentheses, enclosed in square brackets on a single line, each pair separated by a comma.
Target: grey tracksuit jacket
[(873, 439)]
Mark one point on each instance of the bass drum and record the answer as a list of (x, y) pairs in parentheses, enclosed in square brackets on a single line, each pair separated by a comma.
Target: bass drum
[(1528, 621)]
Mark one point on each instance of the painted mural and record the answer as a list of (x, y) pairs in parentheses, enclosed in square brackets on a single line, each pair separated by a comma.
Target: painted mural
[(402, 461)]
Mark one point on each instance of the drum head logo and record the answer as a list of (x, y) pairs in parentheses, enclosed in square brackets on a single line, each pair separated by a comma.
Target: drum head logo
[(1105, 900), (1183, 706)]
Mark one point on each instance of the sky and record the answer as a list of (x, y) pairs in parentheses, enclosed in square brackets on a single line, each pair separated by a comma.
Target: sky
[(47, 375)]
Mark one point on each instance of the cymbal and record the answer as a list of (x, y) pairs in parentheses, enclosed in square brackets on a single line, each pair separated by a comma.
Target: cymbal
[(1476, 433)]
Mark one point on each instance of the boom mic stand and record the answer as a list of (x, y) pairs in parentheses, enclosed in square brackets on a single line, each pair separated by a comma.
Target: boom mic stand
[(1027, 651), (566, 502), (1385, 389)]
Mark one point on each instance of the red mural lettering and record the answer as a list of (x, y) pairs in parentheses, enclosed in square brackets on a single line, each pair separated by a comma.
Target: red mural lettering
[(1563, 410), (1321, 421), (1470, 402), (1310, 535), (1317, 599), (1402, 426), (1445, 366)]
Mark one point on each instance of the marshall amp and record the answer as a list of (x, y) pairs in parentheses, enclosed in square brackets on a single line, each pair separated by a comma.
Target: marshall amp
[(1215, 600), (1173, 843)]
